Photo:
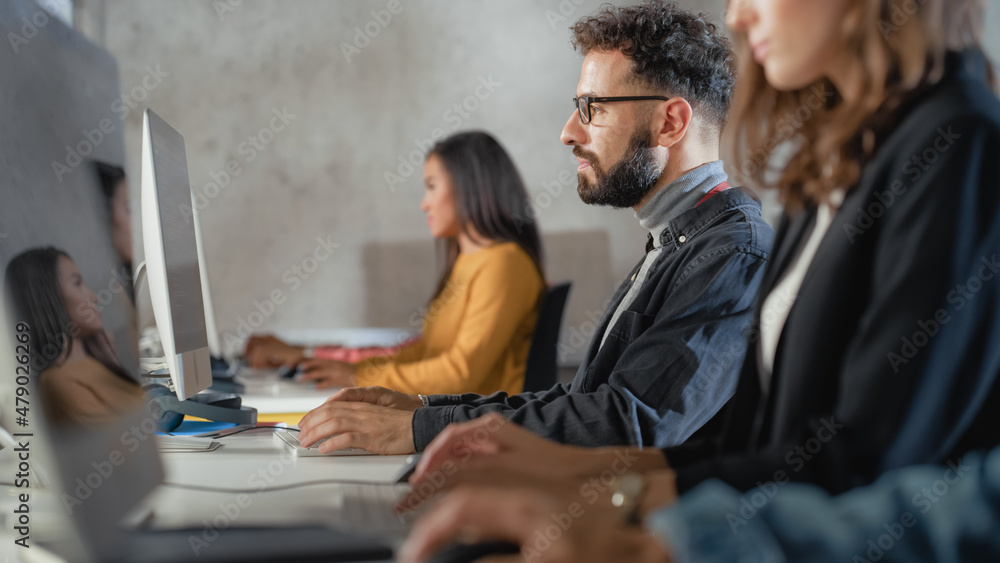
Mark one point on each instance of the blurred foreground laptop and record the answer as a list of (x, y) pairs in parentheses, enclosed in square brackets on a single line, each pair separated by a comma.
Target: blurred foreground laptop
[(93, 455), (90, 468)]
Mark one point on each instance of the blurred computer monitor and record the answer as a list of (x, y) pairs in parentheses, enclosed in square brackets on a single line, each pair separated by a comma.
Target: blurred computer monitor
[(92, 454), (214, 343), (171, 249)]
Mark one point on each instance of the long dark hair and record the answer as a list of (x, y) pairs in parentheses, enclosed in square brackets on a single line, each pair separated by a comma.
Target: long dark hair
[(33, 282), (110, 176), (489, 195)]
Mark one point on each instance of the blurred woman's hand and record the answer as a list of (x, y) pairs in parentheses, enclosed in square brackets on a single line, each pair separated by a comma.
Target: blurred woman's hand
[(329, 373), (268, 351)]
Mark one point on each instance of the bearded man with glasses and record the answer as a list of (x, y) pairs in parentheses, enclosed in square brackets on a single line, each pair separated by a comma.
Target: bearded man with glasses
[(652, 100)]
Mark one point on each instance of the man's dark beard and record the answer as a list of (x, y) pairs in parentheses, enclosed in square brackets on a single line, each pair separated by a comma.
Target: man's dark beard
[(628, 181)]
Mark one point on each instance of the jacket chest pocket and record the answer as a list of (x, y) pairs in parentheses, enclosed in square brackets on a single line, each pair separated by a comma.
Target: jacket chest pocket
[(627, 329)]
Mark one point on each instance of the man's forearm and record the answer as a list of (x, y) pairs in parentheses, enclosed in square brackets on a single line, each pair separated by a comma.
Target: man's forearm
[(428, 422), (499, 398)]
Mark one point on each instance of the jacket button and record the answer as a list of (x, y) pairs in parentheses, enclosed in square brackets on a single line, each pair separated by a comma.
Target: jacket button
[(682, 239)]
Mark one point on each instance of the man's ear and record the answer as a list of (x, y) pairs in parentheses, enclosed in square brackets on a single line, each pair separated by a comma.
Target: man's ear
[(673, 118)]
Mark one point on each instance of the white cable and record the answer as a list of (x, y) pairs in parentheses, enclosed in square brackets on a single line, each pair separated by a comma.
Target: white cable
[(6, 440), (138, 276)]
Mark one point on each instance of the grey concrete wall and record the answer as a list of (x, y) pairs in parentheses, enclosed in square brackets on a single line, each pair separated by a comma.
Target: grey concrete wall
[(992, 27), (220, 74)]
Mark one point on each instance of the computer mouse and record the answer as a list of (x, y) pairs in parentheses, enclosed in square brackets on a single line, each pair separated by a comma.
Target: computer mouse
[(468, 552), (289, 372), (407, 471)]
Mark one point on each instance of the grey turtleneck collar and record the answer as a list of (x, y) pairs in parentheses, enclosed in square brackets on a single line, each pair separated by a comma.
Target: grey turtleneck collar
[(679, 196)]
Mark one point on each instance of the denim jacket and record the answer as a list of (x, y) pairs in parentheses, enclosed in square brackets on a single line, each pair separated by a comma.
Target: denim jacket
[(672, 359), (948, 512)]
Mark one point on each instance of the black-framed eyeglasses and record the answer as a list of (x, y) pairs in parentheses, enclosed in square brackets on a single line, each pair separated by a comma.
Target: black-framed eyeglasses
[(583, 103)]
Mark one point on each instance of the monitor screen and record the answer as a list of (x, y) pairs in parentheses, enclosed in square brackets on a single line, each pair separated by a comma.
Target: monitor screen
[(180, 251)]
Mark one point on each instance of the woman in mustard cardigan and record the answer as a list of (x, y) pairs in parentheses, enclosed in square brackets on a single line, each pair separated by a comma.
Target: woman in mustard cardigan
[(479, 323)]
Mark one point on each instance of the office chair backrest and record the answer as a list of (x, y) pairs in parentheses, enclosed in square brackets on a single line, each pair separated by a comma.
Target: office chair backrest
[(540, 371)]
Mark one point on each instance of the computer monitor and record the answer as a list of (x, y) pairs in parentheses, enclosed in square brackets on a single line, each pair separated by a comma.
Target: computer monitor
[(171, 248), (214, 343)]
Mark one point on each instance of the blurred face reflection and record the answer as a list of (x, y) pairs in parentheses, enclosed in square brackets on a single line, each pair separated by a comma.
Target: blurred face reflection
[(81, 302), (121, 222)]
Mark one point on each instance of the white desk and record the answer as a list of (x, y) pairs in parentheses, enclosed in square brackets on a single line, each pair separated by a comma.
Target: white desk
[(252, 460), (270, 395), (350, 337)]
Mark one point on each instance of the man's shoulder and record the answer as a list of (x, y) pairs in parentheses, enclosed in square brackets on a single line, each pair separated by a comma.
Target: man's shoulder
[(729, 222)]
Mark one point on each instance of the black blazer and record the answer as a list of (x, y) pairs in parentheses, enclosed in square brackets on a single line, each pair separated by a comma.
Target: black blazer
[(891, 352)]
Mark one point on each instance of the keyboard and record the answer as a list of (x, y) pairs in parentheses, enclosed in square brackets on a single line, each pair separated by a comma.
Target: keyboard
[(234, 543), (290, 440), (371, 507)]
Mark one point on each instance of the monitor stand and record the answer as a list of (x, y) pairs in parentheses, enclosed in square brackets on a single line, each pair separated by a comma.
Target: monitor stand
[(224, 376), (213, 406)]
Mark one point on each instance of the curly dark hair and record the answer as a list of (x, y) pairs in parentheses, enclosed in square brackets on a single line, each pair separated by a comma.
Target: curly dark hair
[(671, 49)]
